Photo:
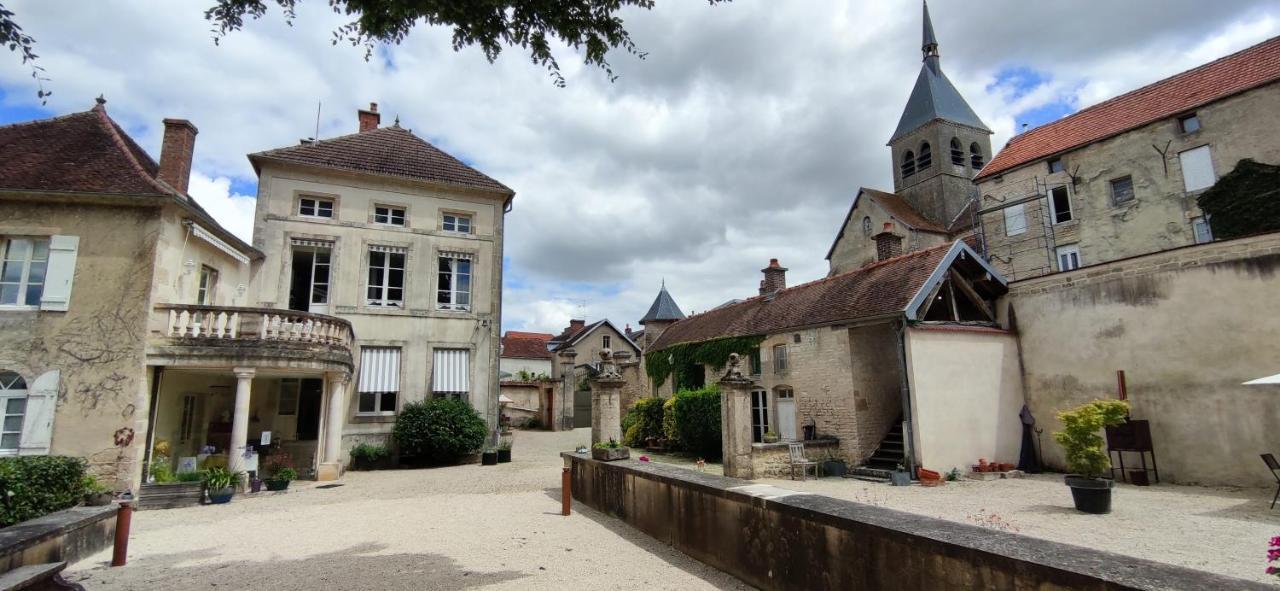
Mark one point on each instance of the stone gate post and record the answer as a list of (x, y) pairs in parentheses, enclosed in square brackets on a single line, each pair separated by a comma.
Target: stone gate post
[(606, 403), (735, 420)]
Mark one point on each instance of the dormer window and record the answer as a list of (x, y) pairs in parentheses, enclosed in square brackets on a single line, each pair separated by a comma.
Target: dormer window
[(908, 164), (957, 152), (975, 155), (925, 159), (315, 207)]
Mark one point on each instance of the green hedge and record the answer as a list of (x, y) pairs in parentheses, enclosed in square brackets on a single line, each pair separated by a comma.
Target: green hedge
[(439, 430), (697, 421), (644, 420), (31, 486)]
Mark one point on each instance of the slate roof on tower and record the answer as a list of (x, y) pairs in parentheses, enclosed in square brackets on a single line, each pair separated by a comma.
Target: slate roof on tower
[(392, 151), (663, 308), (934, 96)]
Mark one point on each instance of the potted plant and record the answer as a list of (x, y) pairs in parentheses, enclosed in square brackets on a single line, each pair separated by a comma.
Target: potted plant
[(489, 457), (220, 484), (608, 451), (365, 456), (771, 436), (900, 476), (833, 465), (504, 451), (255, 484), (1085, 457), (281, 478), (96, 494)]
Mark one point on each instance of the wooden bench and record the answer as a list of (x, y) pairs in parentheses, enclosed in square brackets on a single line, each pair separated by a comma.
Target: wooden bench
[(37, 577)]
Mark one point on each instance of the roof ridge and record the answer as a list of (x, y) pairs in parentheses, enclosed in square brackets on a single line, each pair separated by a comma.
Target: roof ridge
[(317, 141), (112, 128), (48, 119)]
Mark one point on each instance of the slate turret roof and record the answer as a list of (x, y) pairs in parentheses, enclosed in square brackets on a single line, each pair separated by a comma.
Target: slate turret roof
[(934, 96), (663, 308)]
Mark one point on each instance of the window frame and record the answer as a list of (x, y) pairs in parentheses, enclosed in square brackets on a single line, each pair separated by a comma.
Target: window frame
[(206, 290), (924, 157), (866, 226), (759, 415), (1067, 250), (1197, 223), (1111, 185), (1053, 206), (315, 207), (1183, 119), (389, 216), (379, 397), (1009, 227), (781, 360), (976, 158), (957, 152), (908, 165), (1061, 166), (10, 392), (1186, 156), (24, 282), (452, 288), (605, 342), (457, 217)]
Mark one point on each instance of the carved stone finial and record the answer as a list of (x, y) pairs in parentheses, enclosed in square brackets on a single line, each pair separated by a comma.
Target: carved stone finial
[(734, 372), (608, 369)]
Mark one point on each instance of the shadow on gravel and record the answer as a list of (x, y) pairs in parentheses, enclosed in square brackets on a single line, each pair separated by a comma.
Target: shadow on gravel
[(358, 568)]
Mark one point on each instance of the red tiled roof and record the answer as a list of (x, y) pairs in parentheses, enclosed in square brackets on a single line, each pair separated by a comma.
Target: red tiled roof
[(81, 152), (393, 151), (874, 290), (526, 345), (898, 207), (1235, 73)]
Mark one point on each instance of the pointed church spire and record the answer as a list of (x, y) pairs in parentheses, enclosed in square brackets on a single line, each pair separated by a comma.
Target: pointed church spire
[(934, 97), (930, 45)]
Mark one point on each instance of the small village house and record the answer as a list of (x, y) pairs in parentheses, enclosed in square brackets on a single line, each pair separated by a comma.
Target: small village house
[(527, 391), (576, 356)]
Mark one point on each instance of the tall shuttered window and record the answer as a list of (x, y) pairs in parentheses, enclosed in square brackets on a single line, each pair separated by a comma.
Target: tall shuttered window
[(451, 373), (379, 384), (22, 271)]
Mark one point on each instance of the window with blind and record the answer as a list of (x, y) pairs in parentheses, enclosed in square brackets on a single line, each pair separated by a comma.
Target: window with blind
[(453, 288), (379, 385), (450, 373), (386, 276)]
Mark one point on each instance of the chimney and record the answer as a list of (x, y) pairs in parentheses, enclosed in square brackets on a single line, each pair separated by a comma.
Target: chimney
[(369, 119), (628, 330), (576, 325), (888, 244), (775, 277), (175, 153)]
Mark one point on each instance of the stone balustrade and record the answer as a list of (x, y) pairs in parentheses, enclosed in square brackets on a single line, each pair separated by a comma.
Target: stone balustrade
[(269, 324)]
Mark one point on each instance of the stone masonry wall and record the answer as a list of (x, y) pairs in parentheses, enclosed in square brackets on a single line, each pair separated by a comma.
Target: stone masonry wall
[(773, 460)]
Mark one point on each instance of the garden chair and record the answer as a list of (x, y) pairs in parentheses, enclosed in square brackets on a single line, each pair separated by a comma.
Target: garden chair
[(799, 461), (1275, 471)]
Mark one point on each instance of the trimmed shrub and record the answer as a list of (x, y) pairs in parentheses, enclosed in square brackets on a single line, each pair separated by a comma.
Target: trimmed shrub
[(31, 486), (439, 430), (669, 421), (697, 421), (643, 421)]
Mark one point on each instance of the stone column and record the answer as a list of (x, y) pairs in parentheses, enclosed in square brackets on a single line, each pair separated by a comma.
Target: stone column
[(606, 404), (735, 420), (240, 419), (331, 467)]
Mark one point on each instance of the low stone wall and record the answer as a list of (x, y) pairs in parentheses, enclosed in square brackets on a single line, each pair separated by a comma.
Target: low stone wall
[(773, 460), (772, 538), (63, 536)]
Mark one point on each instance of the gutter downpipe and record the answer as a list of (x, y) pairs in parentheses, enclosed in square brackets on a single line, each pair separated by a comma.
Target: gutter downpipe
[(908, 433)]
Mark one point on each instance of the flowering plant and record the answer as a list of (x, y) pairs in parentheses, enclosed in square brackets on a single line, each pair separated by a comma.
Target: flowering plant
[(1273, 554)]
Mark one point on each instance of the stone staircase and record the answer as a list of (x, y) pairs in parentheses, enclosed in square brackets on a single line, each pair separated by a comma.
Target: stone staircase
[(886, 458)]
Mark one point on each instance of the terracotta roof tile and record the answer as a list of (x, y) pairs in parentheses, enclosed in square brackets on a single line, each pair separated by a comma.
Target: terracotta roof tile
[(898, 207), (393, 151), (526, 345), (81, 152), (874, 290), (1235, 73)]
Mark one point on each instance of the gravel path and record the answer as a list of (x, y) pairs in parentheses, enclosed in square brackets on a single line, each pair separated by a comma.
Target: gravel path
[(447, 528)]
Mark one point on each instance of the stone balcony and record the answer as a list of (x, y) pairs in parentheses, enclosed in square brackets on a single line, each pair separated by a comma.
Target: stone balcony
[(185, 335)]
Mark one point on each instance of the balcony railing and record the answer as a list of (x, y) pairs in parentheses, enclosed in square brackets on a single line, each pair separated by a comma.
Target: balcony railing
[(242, 324)]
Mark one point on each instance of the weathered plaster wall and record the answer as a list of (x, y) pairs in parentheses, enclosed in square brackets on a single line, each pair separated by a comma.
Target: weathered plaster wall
[(855, 249), (966, 393), (1159, 216), (877, 386), (98, 344), (1188, 326)]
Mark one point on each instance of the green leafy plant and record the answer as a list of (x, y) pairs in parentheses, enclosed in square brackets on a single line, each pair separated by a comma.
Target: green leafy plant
[(645, 420), (669, 429), (440, 429), (1244, 201), (697, 421), (370, 452), (954, 474), (188, 477), (672, 361), (285, 474), (93, 485), (31, 486), (532, 423), (610, 444), (1080, 436), (218, 478), (161, 471)]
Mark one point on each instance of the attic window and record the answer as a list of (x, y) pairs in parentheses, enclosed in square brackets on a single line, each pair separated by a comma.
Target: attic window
[(1189, 123), (1056, 165), (795, 338), (315, 207), (866, 226)]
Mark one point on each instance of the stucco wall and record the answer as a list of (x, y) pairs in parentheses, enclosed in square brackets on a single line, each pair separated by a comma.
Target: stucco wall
[(1159, 216), (177, 283), (1188, 326), (966, 393), (856, 249)]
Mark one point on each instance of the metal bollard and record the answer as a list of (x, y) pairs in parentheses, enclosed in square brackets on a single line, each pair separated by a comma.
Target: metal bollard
[(566, 492), (120, 553)]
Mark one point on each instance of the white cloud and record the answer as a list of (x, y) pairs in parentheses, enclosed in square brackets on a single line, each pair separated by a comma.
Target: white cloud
[(743, 136)]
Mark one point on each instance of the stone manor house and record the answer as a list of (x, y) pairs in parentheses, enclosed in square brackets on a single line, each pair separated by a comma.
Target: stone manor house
[(984, 284), (374, 280)]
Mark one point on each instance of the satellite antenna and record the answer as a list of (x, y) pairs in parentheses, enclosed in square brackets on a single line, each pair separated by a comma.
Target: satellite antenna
[(317, 135)]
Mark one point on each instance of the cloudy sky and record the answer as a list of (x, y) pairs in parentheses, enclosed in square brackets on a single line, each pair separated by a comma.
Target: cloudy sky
[(743, 136)]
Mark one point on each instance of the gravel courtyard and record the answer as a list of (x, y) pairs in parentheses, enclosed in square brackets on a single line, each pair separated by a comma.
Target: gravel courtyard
[(448, 528)]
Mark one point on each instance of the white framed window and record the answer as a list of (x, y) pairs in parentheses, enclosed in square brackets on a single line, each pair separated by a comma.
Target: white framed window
[(1203, 232), (386, 214), (1189, 123), (13, 403), (759, 415), (780, 358), (309, 285), (1060, 204), (1197, 169), (1122, 190), (456, 222), (208, 286), (315, 207), (1068, 257), (379, 385), (451, 373), (605, 341), (453, 291), (386, 277), (1015, 219), (23, 267)]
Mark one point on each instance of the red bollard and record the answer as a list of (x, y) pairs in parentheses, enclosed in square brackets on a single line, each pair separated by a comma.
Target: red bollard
[(566, 492), (120, 553)]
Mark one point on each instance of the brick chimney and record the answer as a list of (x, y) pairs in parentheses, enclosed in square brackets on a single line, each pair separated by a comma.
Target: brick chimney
[(369, 119), (888, 244), (775, 277), (576, 325), (175, 153)]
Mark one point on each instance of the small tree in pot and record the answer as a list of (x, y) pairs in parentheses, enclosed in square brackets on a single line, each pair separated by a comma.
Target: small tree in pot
[(1086, 458)]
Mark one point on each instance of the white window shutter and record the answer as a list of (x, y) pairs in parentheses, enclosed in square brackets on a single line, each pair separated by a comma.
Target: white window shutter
[(1197, 169), (62, 270), (37, 423)]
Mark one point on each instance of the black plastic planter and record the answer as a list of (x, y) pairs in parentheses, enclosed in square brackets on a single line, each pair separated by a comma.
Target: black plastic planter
[(1091, 495), (504, 456), (833, 468), (489, 458)]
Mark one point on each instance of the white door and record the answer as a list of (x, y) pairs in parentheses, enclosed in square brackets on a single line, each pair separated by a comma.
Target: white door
[(786, 414)]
